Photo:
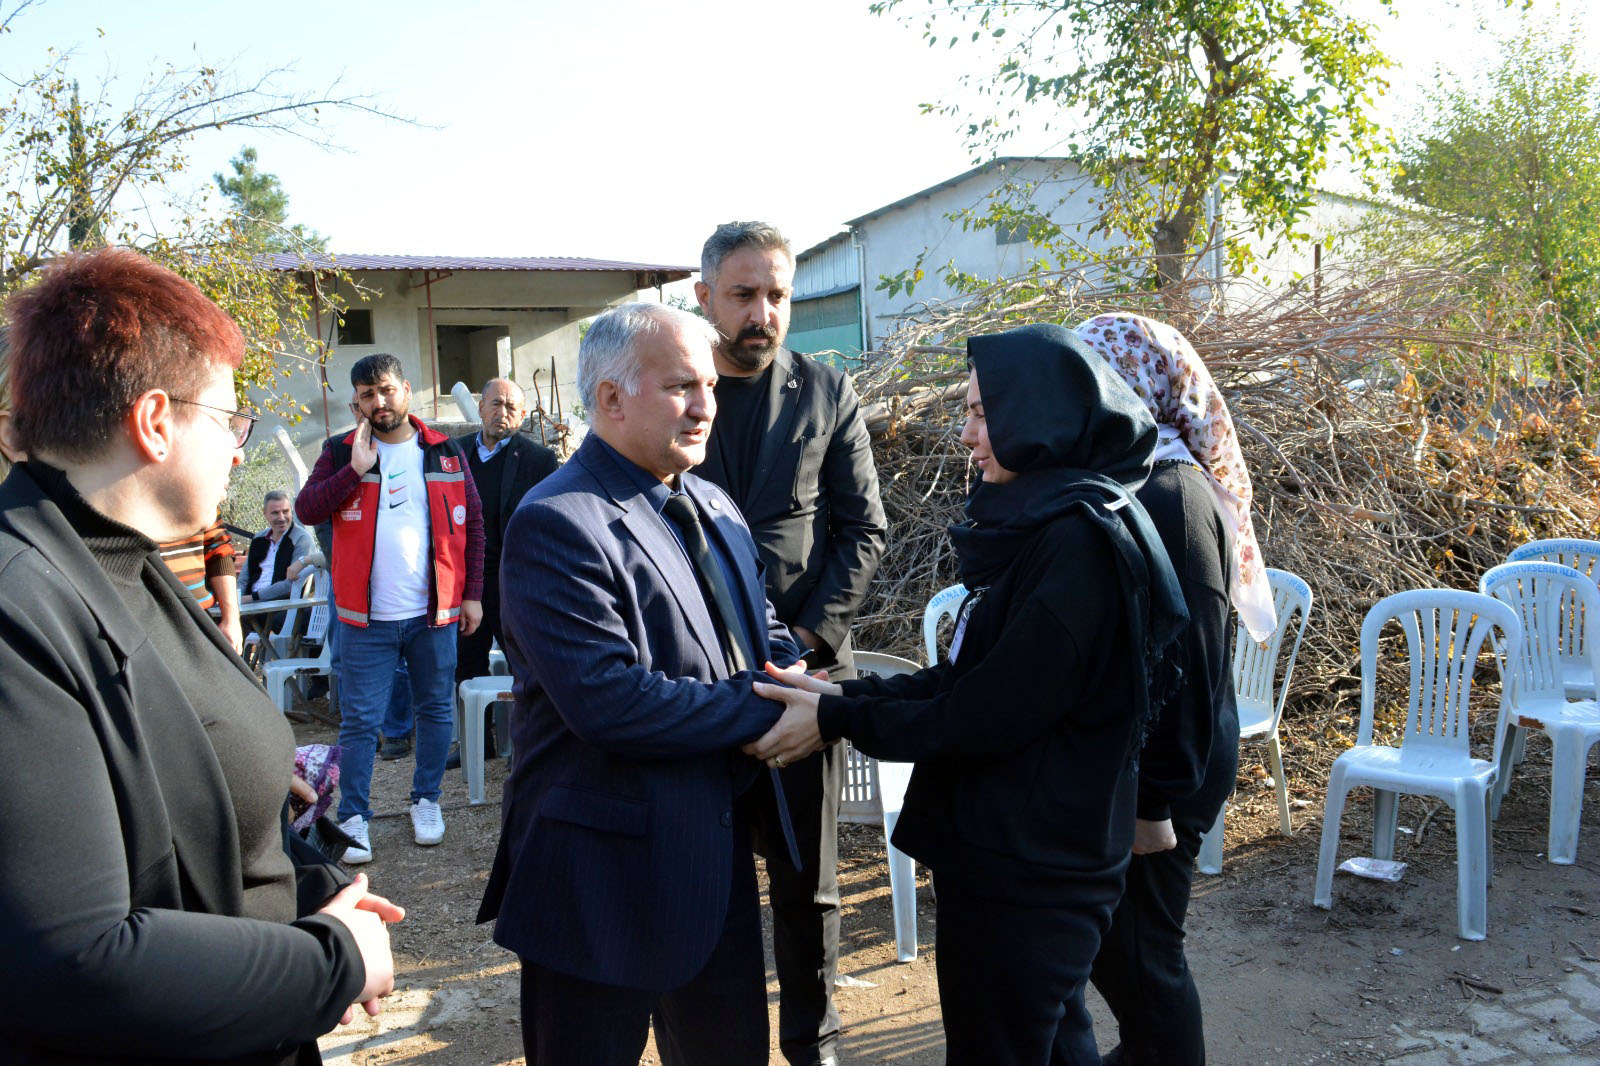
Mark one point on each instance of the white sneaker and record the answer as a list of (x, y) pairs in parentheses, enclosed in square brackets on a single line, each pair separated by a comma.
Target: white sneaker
[(427, 823), (355, 827)]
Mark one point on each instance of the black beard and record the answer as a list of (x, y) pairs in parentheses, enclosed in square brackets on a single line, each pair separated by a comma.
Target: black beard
[(394, 419), (747, 358)]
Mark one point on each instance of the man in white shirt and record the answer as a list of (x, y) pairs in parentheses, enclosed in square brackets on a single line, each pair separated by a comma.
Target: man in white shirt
[(277, 554), (408, 574)]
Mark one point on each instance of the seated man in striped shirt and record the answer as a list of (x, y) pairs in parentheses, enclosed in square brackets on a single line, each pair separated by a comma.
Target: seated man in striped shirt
[(204, 563)]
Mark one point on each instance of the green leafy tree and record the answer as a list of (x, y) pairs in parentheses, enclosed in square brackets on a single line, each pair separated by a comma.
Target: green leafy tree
[(262, 205), (79, 169), (1158, 101), (1510, 163)]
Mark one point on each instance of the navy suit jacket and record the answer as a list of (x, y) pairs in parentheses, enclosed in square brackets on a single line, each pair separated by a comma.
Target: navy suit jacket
[(616, 842)]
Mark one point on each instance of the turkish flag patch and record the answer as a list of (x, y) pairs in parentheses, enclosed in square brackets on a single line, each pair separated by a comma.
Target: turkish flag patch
[(450, 463)]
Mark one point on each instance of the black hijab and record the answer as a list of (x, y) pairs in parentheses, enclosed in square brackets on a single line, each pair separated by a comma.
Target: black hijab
[(1079, 440)]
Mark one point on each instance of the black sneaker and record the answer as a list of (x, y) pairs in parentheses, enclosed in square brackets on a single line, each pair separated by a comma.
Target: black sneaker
[(392, 748)]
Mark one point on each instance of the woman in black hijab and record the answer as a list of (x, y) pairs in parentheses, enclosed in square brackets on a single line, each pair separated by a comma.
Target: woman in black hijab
[(1022, 802)]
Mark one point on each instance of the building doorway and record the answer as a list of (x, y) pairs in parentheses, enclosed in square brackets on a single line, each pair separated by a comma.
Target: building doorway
[(472, 354)]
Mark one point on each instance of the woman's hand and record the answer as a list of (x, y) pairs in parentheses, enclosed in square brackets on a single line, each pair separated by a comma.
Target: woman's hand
[(364, 915), (300, 790), (797, 677), (794, 735)]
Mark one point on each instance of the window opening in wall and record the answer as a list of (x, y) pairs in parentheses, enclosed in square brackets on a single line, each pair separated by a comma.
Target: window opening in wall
[(355, 326), (1016, 233)]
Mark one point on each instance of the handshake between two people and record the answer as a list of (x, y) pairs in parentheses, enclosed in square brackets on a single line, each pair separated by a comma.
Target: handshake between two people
[(795, 734)]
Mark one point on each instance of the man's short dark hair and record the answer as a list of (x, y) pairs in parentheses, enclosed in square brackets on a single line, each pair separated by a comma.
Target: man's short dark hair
[(99, 330), (275, 494), (730, 237), (371, 369)]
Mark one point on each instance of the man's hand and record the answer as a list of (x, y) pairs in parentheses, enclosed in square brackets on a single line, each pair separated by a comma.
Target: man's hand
[(1151, 837), (295, 568), (363, 453), (794, 735), (809, 640), (229, 624), (471, 617)]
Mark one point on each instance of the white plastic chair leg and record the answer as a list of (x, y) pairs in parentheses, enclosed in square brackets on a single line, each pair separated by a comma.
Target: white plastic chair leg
[(1569, 761), (903, 893), (1209, 858), (1385, 815), (472, 749), (277, 687), (1488, 837), (1275, 756), (1502, 781), (1472, 878), (1328, 850)]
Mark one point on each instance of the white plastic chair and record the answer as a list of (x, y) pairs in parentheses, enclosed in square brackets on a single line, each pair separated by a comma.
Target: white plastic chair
[(1261, 699), (946, 603), (1544, 595), (1577, 674), (279, 672), (475, 696), (284, 640), (892, 778), (1445, 630)]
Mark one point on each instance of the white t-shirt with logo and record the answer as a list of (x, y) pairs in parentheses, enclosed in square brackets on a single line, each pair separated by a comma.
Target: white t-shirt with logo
[(400, 550)]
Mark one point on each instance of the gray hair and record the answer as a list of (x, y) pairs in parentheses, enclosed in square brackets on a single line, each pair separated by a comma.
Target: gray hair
[(275, 494), (730, 237), (607, 350)]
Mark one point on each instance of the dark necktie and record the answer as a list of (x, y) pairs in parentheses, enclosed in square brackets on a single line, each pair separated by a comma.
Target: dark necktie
[(713, 583), (736, 646)]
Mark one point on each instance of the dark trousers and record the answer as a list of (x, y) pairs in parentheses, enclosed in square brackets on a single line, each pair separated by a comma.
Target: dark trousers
[(1011, 981), (1141, 970), (805, 903), (472, 652), (717, 1019)]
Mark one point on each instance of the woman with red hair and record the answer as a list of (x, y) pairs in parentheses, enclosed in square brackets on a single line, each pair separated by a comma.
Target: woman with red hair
[(149, 876)]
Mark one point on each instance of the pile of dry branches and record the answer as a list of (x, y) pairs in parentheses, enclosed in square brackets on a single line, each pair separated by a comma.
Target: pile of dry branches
[(1391, 427)]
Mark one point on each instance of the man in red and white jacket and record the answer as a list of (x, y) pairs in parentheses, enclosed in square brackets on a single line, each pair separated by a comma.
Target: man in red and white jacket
[(407, 575)]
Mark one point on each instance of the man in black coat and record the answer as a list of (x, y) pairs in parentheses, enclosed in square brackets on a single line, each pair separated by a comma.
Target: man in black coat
[(505, 464), (790, 447)]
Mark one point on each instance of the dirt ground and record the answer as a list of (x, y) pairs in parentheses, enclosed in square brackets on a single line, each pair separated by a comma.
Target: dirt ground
[(1281, 981)]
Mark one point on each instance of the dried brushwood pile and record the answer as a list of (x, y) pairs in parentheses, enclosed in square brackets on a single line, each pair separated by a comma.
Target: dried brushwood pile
[(1391, 431)]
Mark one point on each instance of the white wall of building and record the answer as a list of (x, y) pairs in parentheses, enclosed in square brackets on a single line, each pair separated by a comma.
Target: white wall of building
[(539, 313), (892, 239)]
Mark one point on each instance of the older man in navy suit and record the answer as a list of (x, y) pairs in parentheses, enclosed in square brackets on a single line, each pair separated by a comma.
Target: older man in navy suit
[(633, 610)]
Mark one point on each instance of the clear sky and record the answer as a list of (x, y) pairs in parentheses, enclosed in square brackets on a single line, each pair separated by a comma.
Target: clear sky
[(597, 128)]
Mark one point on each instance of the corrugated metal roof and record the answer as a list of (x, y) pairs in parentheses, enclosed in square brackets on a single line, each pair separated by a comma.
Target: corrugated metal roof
[(358, 261), (1000, 162)]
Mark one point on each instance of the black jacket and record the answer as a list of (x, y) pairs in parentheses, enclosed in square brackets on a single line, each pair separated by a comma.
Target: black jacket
[(814, 507), (1199, 726), (121, 886), (299, 547), (525, 463), (1025, 779)]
